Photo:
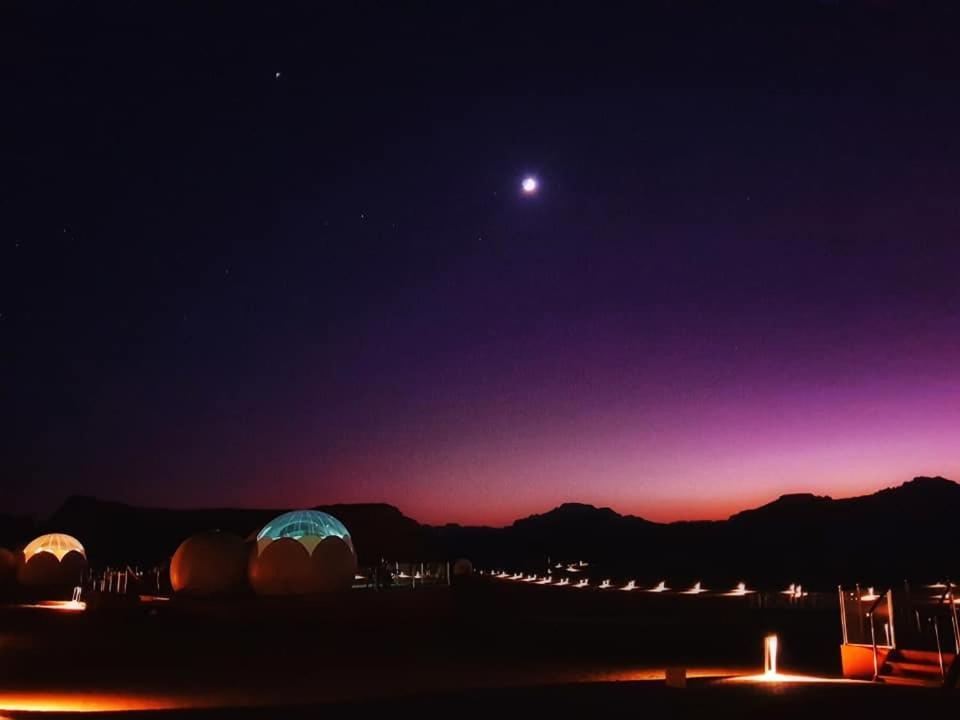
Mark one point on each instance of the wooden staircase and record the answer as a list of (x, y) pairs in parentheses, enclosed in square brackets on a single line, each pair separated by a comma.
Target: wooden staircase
[(914, 667), (908, 636)]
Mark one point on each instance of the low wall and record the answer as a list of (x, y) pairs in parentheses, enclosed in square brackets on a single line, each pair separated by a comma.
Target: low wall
[(857, 660)]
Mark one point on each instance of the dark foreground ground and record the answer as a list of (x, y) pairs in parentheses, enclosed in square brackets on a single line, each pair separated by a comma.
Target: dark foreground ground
[(708, 699), (476, 651)]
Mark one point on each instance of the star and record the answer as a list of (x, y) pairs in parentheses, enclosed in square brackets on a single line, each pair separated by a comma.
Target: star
[(529, 185)]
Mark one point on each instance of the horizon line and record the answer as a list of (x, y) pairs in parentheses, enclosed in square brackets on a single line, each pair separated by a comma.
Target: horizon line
[(264, 508)]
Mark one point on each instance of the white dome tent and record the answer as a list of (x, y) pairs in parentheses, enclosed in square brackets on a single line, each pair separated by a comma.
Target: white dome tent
[(51, 560), (57, 544), (209, 563)]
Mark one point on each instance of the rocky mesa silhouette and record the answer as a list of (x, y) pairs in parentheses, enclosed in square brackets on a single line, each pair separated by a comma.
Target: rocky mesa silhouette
[(907, 532), (904, 533)]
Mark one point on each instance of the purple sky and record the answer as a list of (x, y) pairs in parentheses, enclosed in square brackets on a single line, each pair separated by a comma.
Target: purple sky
[(738, 278)]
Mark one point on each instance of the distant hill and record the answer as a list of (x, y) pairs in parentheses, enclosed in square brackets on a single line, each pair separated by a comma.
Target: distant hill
[(906, 532), (117, 533)]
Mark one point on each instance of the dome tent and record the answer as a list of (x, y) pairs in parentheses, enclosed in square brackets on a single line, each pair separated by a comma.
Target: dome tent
[(283, 567), (209, 563), (307, 526), (8, 566), (302, 552), (334, 564), (57, 544), (54, 560), (462, 568)]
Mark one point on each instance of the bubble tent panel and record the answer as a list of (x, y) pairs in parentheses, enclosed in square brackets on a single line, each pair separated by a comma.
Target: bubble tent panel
[(57, 544), (304, 523)]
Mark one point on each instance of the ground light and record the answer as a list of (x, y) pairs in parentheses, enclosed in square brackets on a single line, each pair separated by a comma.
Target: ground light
[(739, 591), (771, 673), (770, 643), (794, 591), (74, 604), (57, 605)]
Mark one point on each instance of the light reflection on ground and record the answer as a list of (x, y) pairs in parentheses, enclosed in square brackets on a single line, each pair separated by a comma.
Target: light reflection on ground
[(57, 605), (65, 702), (97, 701), (659, 674), (786, 678)]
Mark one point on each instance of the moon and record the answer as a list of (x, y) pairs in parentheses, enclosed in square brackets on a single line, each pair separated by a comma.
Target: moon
[(529, 185)]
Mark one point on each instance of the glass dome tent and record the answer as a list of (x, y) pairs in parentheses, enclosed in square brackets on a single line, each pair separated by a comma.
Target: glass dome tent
[(302, 524)]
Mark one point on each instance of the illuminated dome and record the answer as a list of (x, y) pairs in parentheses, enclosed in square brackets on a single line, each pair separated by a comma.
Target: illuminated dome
[(302, 552), (304, 526), (53, 561), (56, 544)]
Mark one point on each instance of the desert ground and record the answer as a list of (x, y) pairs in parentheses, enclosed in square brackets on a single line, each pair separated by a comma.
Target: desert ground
[(487, 647)]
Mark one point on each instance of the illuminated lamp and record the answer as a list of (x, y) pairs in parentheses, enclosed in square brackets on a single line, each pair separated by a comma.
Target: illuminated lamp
[(770, 647), (740, 590)]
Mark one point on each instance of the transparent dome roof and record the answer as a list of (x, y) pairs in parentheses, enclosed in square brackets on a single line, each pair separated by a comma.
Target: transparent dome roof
[(304, 523), (56, 544)]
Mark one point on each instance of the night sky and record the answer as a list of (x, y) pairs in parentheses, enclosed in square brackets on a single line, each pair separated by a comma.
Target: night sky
[(284, 259)]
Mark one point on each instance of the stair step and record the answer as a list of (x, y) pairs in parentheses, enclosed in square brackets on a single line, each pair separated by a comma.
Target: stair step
[(912, 681), (901, 667), (924, 656)]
